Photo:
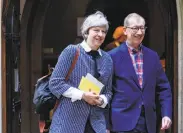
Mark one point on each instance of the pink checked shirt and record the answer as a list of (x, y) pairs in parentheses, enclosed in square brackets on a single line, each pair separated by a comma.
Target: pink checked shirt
[(137, 61)]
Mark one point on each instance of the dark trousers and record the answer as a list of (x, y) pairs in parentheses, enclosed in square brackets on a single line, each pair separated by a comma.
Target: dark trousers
[(88, 128), (141, 125)]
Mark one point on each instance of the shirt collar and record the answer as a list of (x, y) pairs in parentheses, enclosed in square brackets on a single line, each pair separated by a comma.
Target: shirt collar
[(131, 49), (85, 46)]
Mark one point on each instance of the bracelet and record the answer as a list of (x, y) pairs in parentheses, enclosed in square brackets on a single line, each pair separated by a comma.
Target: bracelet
[(102, 101)]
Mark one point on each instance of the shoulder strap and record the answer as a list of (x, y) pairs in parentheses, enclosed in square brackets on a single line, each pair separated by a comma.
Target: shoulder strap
[(69, 72), (73, 63), (42, 124)]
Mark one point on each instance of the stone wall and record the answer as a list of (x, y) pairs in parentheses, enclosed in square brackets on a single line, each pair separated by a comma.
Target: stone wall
[(180, 65)]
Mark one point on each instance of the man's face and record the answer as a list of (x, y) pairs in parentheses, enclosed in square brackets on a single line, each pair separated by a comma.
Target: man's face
[(96, 36), (135, 32)]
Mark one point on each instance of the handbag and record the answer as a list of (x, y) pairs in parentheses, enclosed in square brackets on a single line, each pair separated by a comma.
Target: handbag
[(43, 99)]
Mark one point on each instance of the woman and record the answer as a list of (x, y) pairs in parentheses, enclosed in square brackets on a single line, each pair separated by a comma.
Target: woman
[(79, 111)]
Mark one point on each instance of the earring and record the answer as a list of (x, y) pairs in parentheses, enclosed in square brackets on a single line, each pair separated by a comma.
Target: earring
[(86, 35)]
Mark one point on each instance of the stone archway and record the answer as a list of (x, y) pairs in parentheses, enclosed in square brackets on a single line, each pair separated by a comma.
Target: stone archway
[(29, 27), (180, 64), (29, 30)]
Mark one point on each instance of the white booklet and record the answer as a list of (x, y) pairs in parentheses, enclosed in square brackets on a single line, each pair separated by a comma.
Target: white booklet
[(90, 83), (94, 80)]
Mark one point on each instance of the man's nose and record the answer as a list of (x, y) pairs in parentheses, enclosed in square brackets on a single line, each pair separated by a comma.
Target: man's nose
[(139, 31)]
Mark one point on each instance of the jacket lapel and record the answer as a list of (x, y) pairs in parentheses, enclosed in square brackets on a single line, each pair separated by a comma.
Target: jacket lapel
[(127, 61), (145, 65)]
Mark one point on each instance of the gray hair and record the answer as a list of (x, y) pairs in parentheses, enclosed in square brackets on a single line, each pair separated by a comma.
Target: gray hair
[(93, 20), (133, 16)]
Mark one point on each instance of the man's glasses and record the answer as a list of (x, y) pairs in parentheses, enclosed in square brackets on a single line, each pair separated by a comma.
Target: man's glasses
[(136, 29)]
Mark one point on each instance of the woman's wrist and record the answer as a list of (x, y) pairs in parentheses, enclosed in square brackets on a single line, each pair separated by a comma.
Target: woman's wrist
[(101, 101)]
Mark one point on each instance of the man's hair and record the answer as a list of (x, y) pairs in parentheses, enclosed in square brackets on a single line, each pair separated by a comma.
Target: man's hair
[(134, 16), (93, 20)]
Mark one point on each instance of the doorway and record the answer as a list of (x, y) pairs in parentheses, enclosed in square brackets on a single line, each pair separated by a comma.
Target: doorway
[(49, 26)]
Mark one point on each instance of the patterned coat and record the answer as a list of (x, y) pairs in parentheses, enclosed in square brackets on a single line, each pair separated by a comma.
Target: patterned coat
[(71, 117)]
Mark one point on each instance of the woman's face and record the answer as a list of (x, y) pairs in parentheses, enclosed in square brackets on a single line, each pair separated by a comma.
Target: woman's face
[(96, 36)]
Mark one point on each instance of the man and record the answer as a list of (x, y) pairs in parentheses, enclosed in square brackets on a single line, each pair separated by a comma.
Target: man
[(138, 77)]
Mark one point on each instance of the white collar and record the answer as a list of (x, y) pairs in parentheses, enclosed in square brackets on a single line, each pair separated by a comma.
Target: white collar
[(87, 48), (140, 46)]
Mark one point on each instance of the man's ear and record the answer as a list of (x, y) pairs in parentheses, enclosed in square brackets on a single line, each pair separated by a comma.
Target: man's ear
[(125, 30)]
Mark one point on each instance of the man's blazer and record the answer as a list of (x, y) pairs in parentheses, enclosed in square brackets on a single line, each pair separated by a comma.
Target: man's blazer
[(129, 97)]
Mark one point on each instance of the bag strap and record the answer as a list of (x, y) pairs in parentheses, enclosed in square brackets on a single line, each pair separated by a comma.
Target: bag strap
[(68, 74), (73, 63), (43, 124)]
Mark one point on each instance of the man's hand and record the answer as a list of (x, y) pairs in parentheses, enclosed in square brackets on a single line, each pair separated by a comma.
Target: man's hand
[(91, 98), (107, 131), (166, 123)]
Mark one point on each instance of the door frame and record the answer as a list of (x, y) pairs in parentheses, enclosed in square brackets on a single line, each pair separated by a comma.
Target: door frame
[(32, 23)]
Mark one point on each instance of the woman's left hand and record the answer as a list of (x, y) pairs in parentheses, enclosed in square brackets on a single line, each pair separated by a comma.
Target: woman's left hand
[(99, 101)]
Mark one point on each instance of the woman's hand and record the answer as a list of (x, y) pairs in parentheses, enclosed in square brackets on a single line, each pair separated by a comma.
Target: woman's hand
[(100, 101), (91, 98)]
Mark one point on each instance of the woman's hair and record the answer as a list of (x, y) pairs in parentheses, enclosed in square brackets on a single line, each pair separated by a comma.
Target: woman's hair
[(133, 16), (93, 20)]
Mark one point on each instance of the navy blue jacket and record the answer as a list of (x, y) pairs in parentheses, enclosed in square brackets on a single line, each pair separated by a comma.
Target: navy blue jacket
[(128, 96)]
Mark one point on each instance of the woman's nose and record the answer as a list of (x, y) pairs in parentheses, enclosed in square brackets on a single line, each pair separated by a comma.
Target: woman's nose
[(100, 33)]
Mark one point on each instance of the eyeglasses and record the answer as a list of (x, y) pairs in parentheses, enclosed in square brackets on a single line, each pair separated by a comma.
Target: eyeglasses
[(136, 29)]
